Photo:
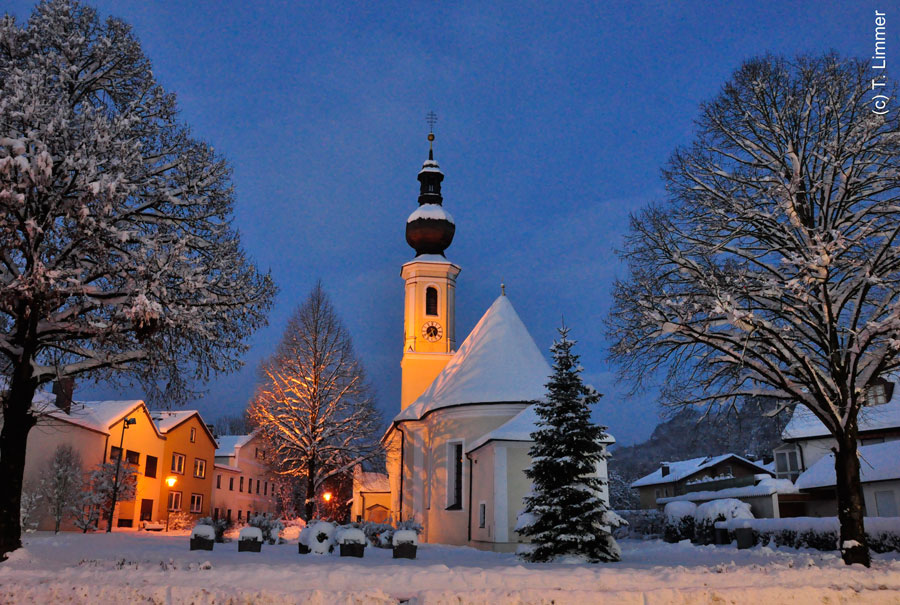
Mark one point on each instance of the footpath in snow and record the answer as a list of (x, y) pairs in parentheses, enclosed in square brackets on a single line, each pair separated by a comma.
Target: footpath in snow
[(127, 567)]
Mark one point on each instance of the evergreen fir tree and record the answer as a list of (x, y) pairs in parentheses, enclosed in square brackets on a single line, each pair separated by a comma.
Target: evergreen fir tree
[(564, 515)]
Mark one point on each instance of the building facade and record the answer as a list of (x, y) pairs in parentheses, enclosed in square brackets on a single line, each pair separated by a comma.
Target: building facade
[(244, 484)]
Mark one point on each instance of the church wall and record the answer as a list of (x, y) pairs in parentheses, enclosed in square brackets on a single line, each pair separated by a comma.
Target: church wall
[(518, 485), (483, 491), (461, 424)]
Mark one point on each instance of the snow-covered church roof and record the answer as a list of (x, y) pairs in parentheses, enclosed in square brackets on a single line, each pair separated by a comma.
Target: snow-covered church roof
[(498, 362)]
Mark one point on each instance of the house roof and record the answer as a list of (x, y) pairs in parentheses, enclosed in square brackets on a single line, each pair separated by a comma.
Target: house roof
[(94, 415), (167, 420), (877, 462), (498, 362), (805, 425), (372, 482), (229, 444), (518, 428), (765, 487), (685, 468)]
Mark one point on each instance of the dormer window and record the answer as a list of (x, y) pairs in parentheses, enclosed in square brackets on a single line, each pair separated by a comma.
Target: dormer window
[(431, 301), (876, 394)]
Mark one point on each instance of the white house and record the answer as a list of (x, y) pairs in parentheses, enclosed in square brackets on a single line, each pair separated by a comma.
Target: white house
[(243, 484), (458, 448)]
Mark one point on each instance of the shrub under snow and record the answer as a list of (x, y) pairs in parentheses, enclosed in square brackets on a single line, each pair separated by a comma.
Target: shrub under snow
[(680, 522), (318, 536), (708, 513), (405, 536), (350, 535), (251, 533), (207, 532)]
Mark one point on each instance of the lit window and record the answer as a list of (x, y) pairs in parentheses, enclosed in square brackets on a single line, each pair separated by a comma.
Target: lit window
[(431, 301), (455, 475), (193, 434), (196, 503), (199, 468), (174, 500), (178, 463)]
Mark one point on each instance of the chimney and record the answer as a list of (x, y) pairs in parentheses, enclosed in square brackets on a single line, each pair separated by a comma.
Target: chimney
[(665, 469), (63, 389), (212, 430)]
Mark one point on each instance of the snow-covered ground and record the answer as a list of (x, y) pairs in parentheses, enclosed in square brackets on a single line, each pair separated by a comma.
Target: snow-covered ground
[(126, 567)]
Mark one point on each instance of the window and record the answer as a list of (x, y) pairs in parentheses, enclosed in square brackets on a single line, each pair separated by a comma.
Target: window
[(242, 484), (132, 458), (257, 486), (150, 470), (431, 301), (266, 488), (215, 514), (454, 475), (657, 493), (114, 453), (787, 465), (229, 515), (481, 513), (218, 481), (178, 463), (876, 395), (174, 500), (250, 485), (239, 514), (196, 503), (200, 468), (886, 504), (231, 484), (193, 435)]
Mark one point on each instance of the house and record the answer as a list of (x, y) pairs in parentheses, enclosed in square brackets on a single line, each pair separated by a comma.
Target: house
[(704, 474), (806, 457), (98, 431), (371, 500), (189, 453), (244, 483), (457, 449)]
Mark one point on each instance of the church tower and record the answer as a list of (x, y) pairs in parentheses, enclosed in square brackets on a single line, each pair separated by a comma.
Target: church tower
[(430, 299)]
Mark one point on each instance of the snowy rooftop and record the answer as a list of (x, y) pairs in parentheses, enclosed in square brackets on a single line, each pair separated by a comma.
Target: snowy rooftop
[(430, 211), (95, 415), (518, 428), (372, 482), (430, 166), (166, 420), (766, 487), (685, 468), (877, 462), (229, 444), (498, 362), (804, 424)]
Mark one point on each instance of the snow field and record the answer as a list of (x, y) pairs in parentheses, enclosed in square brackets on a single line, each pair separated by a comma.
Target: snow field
[(125, 567)]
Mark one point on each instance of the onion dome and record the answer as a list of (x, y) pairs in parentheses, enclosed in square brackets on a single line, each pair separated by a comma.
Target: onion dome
[(430, 229)]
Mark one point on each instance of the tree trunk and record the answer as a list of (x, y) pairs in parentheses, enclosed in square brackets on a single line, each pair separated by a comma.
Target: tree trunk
[(850, 503), (310, 503), (17, 422)]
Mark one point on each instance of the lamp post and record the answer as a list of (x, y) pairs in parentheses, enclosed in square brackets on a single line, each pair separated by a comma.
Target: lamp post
[(127, 422), (170, 481)]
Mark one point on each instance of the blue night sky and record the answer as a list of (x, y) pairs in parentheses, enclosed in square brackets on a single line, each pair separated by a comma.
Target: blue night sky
[(553, 125)]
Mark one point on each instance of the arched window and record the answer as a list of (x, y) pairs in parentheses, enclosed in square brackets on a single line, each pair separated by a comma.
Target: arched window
[(431, 305)]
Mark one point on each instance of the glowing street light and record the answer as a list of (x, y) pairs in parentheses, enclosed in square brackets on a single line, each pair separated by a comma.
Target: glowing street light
[(326, 496), (170, 481)]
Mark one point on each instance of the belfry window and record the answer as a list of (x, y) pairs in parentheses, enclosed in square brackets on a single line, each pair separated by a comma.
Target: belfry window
[(431, 301)]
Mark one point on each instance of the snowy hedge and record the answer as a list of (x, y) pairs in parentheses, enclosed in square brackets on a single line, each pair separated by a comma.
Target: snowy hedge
[(350, 535), (642, 524), (679, 523), (269, 526), (820, 533), (709, 513)]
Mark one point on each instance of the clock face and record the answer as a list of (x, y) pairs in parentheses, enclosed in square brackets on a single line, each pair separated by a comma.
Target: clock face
[(432, 331)]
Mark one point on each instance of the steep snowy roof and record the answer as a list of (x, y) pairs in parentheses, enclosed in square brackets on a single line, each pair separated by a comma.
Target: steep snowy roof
[(877, 462), (373, 482), (166, 420), (685, 468), (805, 425), (229, 444), (518, 428), (94, 415), (498, 362)]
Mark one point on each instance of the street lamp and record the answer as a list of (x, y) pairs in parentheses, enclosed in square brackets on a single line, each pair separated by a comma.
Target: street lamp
[(326, 496), (127, 422), (170, 481)]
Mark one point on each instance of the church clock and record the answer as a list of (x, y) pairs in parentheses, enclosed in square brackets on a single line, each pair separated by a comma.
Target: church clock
[(432, 331)]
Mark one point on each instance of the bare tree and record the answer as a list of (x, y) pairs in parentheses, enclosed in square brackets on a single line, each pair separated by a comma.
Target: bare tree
[(314, 405), (117, 258), (110, 484), (62, 483), (774, 268)]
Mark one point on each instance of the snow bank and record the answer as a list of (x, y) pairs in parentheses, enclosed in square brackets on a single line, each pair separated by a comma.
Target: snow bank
[(204, 531), (727, 508), (405, 536), (873, 525), (250, 533), (678, 510)]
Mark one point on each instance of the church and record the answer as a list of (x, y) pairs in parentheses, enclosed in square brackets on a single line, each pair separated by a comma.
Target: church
[(458, 448)]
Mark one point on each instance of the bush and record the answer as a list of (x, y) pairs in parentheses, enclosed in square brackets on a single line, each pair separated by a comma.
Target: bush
[(269, 526), (709, 513), (219, 525), (819, 533), (642, 524), (180, 520), (679, 521)]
